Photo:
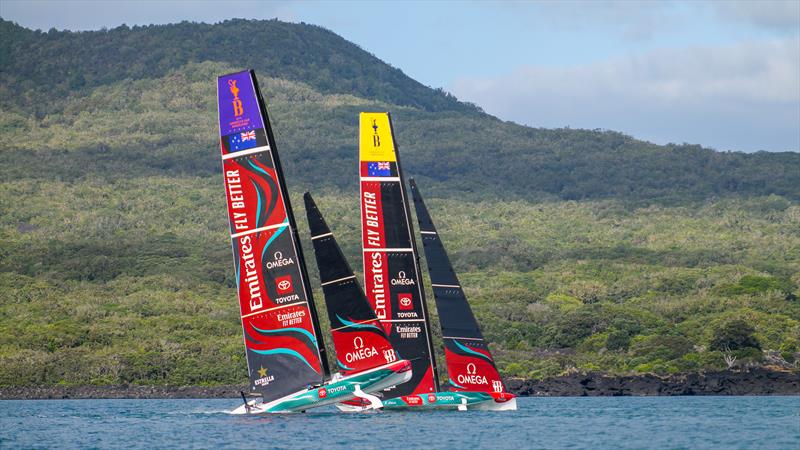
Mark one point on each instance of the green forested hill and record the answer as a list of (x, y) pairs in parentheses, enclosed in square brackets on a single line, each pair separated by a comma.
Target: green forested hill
[(60, 62), (131, 102), (580, 249)]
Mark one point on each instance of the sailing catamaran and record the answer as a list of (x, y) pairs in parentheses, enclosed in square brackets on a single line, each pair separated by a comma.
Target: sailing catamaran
[(394, 289), (286, 357), (391, 272), (358, 338), (471, 371)]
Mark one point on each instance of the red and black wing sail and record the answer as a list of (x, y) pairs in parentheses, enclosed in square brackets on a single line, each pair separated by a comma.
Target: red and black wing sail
[(391, 270), (358, 337), (284, 348), (470, 366)]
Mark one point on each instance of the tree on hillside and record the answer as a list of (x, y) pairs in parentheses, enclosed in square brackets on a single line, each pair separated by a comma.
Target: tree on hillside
[(734, 334)]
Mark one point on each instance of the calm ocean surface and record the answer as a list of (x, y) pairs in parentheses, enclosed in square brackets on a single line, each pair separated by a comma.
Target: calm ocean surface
[(621, 422)]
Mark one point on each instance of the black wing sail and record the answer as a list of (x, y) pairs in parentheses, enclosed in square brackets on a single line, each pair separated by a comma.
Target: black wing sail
[(358, 337), (470, 365)]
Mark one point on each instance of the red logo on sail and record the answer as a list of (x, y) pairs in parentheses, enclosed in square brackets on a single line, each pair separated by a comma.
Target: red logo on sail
[(284, 284), (405, 301)]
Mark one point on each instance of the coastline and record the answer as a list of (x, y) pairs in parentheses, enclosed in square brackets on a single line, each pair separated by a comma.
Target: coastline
[(757, 381), (118, 392)]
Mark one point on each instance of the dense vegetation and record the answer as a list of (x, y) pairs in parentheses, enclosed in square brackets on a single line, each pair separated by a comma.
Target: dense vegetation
[(579, 249), (146, 106), (131, 281), (57, 63)]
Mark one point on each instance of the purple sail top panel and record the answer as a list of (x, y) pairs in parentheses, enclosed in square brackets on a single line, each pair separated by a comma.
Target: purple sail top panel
[(238, 112)]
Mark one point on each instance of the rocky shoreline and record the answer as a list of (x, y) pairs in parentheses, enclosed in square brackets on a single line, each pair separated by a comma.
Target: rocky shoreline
[(118, 392), (757, 381), (751, 382)]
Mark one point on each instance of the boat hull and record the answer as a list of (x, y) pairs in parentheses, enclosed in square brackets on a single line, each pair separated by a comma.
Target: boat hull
[(341, 390), (460, 400)]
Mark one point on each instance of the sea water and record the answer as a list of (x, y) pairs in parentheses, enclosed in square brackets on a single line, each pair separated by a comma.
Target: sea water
[(566, 422)]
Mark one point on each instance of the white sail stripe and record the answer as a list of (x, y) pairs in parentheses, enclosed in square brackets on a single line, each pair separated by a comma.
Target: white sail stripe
[(400, 320), (354, 323), (427, 232), (380, 178), (272, 309), (321, 236), (388, 250), (472, 339), (446, 285), (250, 151), (256, 230), (338, 280)]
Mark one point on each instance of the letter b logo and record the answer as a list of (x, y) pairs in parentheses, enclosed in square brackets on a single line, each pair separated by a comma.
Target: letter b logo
[(238, 109)]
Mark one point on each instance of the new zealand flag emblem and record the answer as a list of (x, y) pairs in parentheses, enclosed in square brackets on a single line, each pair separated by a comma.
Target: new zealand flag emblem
[(379, 169), (242, 141)]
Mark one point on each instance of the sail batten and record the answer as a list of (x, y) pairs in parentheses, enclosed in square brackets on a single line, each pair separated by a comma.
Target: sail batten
[(392, 278), (467, 355), (283, 344)]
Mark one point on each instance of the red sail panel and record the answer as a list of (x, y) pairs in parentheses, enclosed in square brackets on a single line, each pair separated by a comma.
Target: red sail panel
[(361, 346), (391, 273), (280, 330), (470, 366)]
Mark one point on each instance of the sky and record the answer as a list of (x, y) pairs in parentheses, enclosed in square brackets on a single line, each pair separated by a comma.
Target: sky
[(723, 74)]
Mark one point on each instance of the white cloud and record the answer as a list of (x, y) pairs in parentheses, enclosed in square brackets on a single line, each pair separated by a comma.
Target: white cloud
[(774, 14), (630, 19), (740, 97), (644, 18)]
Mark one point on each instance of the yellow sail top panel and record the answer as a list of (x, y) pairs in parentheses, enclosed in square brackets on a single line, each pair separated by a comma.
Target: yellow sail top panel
[(376, 142)]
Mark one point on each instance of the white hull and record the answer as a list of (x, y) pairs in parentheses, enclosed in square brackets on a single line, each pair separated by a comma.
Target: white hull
[(258, 407), (510, 405), (489, 405)]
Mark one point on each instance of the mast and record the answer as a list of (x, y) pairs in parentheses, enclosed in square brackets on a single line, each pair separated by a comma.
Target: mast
[(283, 344), (392, 277), (470, 366), (358, 337), (301, 261)]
